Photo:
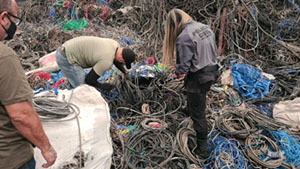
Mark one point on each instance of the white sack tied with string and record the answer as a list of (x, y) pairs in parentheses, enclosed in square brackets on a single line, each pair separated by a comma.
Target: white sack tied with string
[(288, 112), (94, 122)]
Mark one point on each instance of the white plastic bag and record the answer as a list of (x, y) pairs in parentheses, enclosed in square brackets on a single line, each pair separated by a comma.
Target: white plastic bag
[(288, 112), (94, 122)]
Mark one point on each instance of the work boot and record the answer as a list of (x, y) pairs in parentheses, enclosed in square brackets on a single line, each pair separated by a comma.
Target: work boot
[(201, 149)]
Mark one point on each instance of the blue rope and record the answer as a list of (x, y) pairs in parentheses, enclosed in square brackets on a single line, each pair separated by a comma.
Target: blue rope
[(104, 76), (102, 2), (288, 145), (111, 95), (52, 12), (294, 5), (125, 41), (225, 154), (254, 12), (290, 23), (286, 26), (249, 81), (54, 78), (143, 70)]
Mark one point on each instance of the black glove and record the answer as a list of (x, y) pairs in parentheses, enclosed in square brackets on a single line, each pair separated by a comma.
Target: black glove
[(106, 86)]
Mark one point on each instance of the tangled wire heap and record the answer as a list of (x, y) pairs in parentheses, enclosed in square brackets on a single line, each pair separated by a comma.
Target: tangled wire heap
[(264, 33), (151, 130), (42, 31)]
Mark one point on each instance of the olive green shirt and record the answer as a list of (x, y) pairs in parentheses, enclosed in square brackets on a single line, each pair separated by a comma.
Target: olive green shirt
[(15, 150), (91, 52)]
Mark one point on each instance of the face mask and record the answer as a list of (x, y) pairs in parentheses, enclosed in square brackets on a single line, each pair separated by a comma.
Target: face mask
[(11, 30)]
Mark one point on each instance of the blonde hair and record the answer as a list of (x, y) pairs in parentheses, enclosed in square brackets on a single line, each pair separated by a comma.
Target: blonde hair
[(175, 20)]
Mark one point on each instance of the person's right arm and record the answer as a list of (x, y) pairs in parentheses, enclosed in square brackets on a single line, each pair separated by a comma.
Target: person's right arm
[(27, 122), (185, 52), (15, 95)]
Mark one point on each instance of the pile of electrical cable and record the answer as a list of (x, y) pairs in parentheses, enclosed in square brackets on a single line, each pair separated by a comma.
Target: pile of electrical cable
[(50, 109)]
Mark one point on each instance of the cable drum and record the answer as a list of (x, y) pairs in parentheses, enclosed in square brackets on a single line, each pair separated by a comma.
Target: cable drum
[(50, 109)]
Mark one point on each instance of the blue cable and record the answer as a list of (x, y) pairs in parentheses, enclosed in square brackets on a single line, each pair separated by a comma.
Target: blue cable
[(286, 26), (125, 41), (294, 5), (52, 12), (222, 149), (102, 2), (288, 145), (249, 81)]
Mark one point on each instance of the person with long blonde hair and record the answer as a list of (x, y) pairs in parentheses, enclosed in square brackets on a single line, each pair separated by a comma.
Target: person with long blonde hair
[(191, 46)]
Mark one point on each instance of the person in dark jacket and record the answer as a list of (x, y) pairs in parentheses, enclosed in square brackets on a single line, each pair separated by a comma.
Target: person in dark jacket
[(192, 45)]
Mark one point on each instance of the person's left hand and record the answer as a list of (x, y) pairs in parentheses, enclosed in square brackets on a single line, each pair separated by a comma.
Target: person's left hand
[(178, 76), (126, 75), (50, 156)]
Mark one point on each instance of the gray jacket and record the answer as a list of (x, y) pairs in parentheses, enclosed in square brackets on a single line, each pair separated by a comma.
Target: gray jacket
[(196, 48)]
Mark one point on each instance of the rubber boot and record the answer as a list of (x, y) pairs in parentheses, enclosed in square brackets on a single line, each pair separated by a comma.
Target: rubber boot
[(201, 149)]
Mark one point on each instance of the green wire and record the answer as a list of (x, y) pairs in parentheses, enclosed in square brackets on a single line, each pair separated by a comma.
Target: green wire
[(60, 2)]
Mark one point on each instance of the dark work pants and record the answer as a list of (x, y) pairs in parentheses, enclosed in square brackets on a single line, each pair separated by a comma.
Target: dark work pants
[(197, 84), (196, 104), (29, 165)]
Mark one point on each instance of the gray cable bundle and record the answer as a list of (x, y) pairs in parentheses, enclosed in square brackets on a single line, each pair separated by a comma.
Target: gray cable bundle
[(50, 109)]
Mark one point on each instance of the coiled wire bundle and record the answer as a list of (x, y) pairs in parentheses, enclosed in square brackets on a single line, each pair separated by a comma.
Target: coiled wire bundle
[(235, 123), (50, 109), (226, 153), (150, 148)]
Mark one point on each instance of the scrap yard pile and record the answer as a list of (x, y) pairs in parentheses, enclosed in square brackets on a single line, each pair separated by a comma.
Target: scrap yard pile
[(253, 110)]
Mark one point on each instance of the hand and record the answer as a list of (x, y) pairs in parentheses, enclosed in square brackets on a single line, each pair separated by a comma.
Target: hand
[(178, 76), (126, 76), (50, 156)]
